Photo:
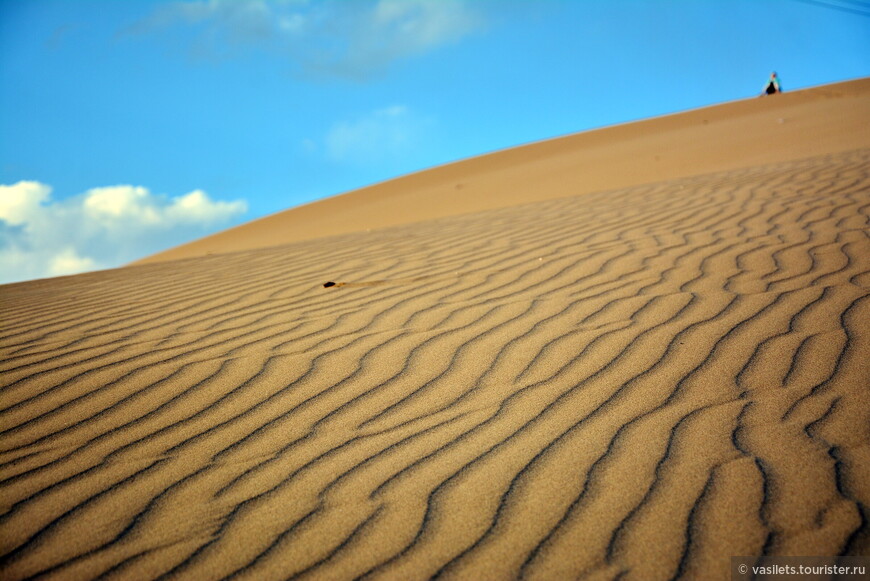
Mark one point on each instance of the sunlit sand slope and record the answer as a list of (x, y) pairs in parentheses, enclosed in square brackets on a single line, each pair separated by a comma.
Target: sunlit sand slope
[(757, 131), (642, 381)]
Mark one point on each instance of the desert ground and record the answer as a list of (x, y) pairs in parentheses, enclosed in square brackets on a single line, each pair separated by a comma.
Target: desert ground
[(626, 353)]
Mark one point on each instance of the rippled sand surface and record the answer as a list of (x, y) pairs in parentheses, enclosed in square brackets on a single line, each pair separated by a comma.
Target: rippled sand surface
[(641, 381)]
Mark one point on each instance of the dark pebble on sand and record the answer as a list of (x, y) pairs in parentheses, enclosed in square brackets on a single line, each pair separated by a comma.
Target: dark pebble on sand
[(328, 284)]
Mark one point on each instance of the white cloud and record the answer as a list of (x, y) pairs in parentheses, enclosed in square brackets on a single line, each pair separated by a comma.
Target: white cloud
[(109, 205), (418, 25), (336, 38), (101, 228), (67, 261), (197, 208), (21, 200), (387, 133)]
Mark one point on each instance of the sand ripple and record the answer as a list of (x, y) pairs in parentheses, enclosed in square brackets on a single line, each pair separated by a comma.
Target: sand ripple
[(639, 381)]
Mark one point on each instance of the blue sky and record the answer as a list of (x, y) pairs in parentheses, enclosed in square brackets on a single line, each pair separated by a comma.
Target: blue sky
[(131, 126)]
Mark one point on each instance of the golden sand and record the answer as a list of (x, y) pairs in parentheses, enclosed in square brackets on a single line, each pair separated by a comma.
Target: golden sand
[(785, 127), (642, 377)]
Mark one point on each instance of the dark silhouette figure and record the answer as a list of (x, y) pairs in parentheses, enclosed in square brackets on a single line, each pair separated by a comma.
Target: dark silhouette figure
[(773, 85)]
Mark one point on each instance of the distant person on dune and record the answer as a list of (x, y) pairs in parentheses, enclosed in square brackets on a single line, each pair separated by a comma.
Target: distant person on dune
[(772, 86)]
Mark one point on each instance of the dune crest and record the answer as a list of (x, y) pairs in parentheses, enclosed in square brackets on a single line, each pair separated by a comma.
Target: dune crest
[(641, 381), (793, 125)]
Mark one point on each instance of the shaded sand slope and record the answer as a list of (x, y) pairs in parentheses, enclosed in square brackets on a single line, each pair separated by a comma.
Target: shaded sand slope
[(755, 131), (641, 381)]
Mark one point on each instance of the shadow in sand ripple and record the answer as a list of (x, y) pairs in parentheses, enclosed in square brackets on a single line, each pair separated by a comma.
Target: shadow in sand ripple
[(635, 381)]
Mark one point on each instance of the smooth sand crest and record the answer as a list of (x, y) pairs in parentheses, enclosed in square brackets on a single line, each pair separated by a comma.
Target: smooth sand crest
[(638, 381)]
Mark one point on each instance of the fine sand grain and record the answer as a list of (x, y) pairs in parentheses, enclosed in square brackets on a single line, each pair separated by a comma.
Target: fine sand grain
[(641, 380)]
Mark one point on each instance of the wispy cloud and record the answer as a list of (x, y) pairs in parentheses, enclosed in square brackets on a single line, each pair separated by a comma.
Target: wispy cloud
[(101, 228), (336, 38), (382, 134)]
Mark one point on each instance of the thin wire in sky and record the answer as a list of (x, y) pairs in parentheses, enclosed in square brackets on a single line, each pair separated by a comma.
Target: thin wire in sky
[(859, 3), (852, 7)]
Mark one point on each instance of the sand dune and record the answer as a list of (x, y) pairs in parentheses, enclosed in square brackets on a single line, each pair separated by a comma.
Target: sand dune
[(828, 119), (641, 380)]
